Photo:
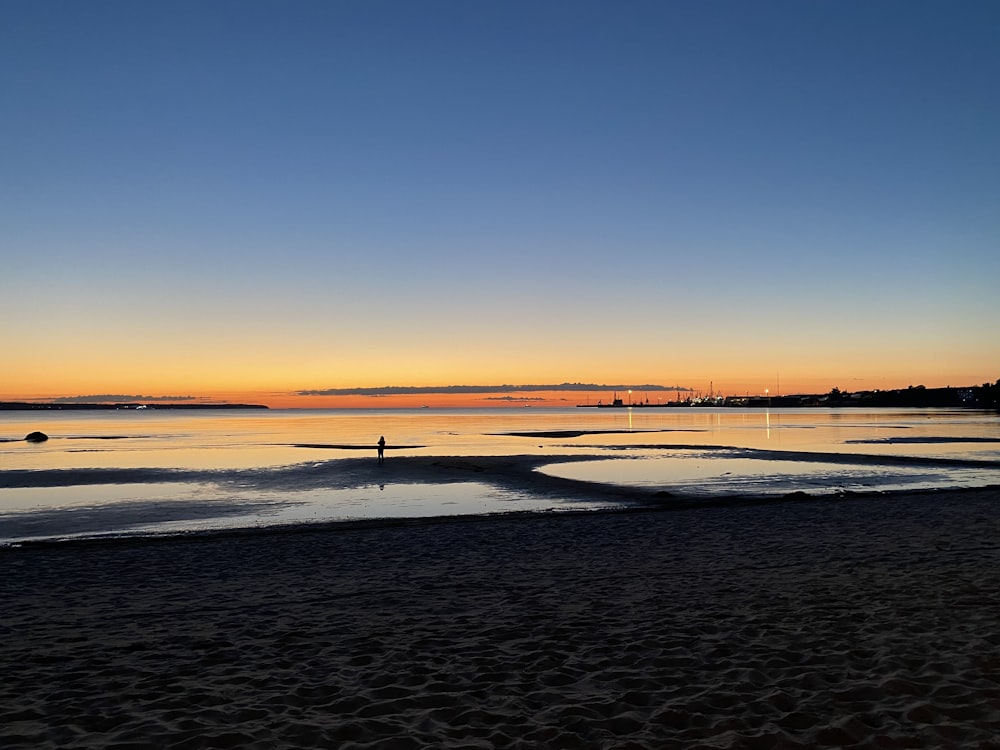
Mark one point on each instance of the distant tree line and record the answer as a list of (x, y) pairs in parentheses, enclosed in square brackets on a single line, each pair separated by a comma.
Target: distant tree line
[(985, 396), (988, 395)]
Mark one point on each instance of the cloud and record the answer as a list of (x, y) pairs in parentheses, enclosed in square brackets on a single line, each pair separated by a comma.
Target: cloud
[(402, 390), (518, 399), (117, 398)]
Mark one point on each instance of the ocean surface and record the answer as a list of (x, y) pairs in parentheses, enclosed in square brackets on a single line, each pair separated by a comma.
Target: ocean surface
[(152, 471)]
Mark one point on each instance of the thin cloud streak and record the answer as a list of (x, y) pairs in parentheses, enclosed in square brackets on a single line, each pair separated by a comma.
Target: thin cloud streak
[(398, 390), (116, 398)]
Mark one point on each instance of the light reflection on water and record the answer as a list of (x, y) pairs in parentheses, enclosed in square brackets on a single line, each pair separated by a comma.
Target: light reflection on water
[(158, 508), (222, 439), (216, 440), (706, 473)]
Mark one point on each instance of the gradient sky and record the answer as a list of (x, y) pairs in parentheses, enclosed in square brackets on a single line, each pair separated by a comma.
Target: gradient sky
[(265, 197)]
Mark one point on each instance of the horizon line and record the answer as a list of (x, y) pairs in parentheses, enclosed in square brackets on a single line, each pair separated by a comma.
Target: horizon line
[(398, 390)]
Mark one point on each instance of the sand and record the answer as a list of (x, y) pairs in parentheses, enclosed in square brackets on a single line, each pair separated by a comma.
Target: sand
[(837, 622)]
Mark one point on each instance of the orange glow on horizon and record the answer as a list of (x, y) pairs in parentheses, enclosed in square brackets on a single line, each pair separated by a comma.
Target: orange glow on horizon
[(277, 399)]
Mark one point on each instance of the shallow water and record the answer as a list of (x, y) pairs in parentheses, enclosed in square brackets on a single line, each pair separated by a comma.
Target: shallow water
[(158, 508), (672, 448), (725, 472), (227, 439)]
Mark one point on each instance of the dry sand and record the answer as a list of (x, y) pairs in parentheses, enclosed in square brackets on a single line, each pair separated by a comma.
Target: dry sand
[(850, 623)]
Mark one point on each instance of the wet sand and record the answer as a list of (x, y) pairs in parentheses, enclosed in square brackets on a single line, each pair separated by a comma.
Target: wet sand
[(864, 622)]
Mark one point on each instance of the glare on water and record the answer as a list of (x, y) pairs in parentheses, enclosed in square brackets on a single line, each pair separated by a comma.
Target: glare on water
[(675, 448)]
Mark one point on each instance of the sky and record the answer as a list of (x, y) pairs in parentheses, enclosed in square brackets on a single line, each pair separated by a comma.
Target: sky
[(255, 199)]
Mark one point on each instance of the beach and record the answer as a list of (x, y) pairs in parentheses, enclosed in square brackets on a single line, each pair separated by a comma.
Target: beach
[(869, 621)]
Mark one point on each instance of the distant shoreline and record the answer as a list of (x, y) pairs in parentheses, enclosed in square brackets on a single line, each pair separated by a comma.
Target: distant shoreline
[(919, 397), (53, 406)]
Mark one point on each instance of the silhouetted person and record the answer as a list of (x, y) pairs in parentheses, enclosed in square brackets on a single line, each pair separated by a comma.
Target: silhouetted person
[(381, 448)]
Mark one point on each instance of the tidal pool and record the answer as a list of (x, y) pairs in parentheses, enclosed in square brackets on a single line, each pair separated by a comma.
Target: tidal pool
[(711, 473), (100, 510)]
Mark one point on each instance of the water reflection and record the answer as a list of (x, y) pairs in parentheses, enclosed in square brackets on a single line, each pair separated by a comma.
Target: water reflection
[(158, 508), (705, 473), (244, 440), (208, 442)]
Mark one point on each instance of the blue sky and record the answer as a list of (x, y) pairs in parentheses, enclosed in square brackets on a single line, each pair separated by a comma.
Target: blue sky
[(392, 192)]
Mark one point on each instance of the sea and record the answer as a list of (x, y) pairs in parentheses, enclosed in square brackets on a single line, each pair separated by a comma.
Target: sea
[(149, 472)]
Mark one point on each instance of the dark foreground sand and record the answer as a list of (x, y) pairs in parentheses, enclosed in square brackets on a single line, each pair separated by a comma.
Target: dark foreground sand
[(849, 623)]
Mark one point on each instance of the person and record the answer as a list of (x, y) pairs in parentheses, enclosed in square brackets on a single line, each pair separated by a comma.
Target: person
[(381, 447)]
